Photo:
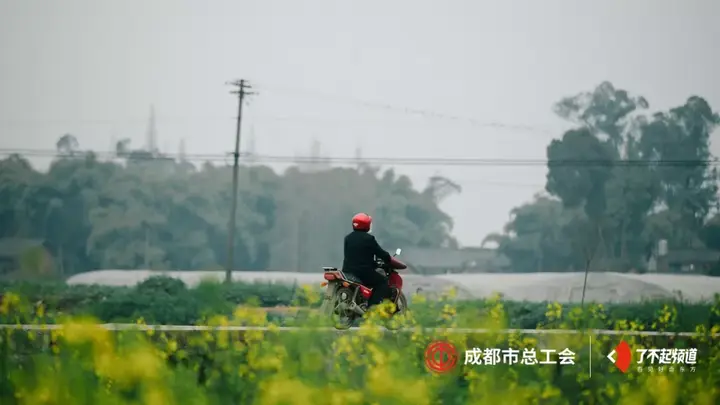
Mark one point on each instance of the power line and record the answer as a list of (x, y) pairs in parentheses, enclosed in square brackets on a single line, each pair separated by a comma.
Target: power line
[(259, 117), (405, 110), (214, 158), (108, 154), (110, 120), (424, 113), (391, 161), (491, 183), (314, 121)]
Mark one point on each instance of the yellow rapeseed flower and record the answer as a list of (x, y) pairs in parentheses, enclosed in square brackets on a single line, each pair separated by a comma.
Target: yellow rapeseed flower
[(8, 301), (662, 390), (249, 316), (286, 391), (83, 331), (334, 396), (346, 368), (156, 394), (554, 311), (146, 364), (418, 299), (382, 383)]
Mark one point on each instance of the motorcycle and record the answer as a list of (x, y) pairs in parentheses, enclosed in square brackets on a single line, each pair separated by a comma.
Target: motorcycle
[(346, 299)]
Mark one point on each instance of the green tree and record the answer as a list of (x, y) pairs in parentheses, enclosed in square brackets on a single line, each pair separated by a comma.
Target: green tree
[(681, 139), (314, 211), (67, 144), (583, 166), (635, 178), (146, 210), (537, 237)]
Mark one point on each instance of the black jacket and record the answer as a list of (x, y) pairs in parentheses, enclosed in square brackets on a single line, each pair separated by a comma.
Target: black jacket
[(360, 251)]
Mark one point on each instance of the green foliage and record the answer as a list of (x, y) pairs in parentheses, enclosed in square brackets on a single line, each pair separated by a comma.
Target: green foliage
[(85, 363), (582, 182), (154, 212), (622, 182), (619, 181), (162, 300), (162, 285)]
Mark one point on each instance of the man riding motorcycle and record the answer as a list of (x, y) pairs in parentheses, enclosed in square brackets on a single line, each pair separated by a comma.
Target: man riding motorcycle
[(361, 248)]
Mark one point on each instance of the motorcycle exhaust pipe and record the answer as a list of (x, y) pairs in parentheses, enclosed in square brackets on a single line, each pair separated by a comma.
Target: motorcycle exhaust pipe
[(357, 308)]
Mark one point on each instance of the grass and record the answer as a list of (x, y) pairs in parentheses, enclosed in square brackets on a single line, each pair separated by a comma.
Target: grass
[(86, 364)]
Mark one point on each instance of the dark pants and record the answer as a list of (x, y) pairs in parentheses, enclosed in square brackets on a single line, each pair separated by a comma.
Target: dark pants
[(379, 285)]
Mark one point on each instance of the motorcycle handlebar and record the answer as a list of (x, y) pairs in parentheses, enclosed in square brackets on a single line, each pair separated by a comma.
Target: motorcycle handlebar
[(393, 265)]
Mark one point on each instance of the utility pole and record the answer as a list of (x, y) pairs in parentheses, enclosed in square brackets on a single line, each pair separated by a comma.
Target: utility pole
[(242, 91)]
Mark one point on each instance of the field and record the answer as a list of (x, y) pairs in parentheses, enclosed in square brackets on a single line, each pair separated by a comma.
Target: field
[(84, 363)]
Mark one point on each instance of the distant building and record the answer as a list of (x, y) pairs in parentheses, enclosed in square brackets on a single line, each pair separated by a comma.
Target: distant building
[(700, 261), (443, 260)]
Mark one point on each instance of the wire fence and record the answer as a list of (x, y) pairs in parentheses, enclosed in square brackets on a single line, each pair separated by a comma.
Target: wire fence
[(470, 331)]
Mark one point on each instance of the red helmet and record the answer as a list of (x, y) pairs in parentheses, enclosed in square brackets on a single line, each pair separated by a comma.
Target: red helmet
[(361, 222)]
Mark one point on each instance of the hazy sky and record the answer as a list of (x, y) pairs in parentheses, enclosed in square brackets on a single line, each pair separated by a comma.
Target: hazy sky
[(93, 68)]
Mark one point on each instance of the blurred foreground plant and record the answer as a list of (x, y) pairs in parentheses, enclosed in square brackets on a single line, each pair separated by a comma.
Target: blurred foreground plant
[(84, 363)]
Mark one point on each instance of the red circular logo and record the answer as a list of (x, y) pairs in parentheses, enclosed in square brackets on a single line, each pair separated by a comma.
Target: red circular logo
[(441, 357)]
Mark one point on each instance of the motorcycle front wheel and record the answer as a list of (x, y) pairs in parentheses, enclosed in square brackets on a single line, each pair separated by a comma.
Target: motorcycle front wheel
[(397, 321)]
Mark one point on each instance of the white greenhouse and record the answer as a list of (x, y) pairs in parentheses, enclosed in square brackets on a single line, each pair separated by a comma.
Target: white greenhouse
[(538, 287)]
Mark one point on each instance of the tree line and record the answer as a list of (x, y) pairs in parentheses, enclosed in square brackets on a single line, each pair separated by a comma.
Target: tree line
[(620, 180), (145, 210)]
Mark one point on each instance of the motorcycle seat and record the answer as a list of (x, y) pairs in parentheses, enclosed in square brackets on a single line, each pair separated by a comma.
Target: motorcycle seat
[(352, 278)]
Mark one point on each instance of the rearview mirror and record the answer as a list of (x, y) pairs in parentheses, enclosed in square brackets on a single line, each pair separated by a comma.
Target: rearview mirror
[(397, 251)]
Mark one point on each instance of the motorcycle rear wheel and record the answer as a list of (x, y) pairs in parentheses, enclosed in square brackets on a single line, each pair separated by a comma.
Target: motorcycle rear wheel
[(340, 314)]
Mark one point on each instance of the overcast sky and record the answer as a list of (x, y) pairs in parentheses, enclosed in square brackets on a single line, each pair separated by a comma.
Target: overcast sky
[(93, 68)]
